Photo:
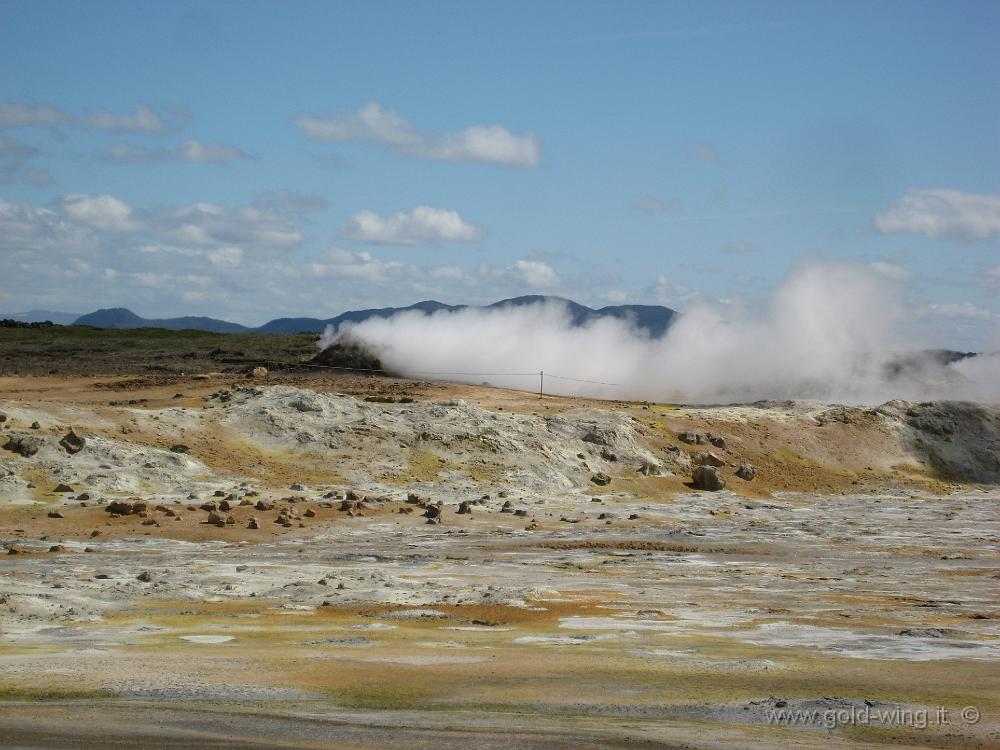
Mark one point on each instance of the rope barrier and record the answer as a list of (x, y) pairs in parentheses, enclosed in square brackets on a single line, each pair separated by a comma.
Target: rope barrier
[(540, 374)]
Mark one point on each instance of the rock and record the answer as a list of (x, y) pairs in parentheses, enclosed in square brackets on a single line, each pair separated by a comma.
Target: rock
[(507, 507), (179, 448), (63, 487), (649, 469), (708, 478), (432, 512), (210, 506), (601, 479), (309, 513), (717, 440), (264, 505), (126, 507), (57, 548), (216, 518), (464, 509), (297, 487), (608, 455), (225, 505), (521, 512), (55, 514), (259, 372), (24, 445), (145, 576), (72, 442), (595, 438), (16, 549), (253, 523), (746, 472), (690, 438), (36, 426), (708, 459)]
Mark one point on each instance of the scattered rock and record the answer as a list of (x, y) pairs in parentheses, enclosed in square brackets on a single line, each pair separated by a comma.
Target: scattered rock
[(708, 478), (464, 508), (253, 523), (690, 438), (717, 440), (126, 507), (746, 472), (708, 459), (72, 442), (24, 445), (145, 576), (55, 514), (179, 448), (57, 548), (601, 479), (259, 372), (264, 505)]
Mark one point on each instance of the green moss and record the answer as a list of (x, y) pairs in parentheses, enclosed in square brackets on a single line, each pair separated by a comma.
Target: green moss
[(48, 693)]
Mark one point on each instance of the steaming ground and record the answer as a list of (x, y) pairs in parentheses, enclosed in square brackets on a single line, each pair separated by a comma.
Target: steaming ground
[(589, 598), (832, 333)]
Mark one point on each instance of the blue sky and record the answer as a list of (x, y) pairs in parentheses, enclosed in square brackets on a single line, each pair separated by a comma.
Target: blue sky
[(250, 160)]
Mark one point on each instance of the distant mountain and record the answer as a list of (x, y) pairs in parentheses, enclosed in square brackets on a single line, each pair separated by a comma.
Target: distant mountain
[(315, 325), (39, 316), (652, 318), (120, 317)]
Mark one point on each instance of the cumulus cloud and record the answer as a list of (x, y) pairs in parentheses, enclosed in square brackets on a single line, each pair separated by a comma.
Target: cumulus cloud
[(140, 120), (537, 274), (943, 213), (102, 212), (19, 115), (891, 270), (191, 150), (374, 123), (422, 225)]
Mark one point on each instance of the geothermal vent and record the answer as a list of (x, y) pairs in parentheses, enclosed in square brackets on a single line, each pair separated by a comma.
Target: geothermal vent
[(347, 352)]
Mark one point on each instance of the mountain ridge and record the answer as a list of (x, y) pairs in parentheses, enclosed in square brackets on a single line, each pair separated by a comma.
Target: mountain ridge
[(653, 318)]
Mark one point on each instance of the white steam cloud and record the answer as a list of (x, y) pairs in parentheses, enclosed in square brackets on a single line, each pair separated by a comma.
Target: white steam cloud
[(831, 333)]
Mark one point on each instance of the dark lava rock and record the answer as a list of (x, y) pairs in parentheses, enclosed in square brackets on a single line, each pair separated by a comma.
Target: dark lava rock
[(708, 478)]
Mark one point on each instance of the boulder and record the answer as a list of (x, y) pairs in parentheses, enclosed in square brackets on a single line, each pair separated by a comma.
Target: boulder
[(125, 507), (24, 445), (717, 440), (63, 487), (72, 442), (601, 479), (746, 472), (259, 372), (690, 438), (464, 509), (708, 478), (708, 459)]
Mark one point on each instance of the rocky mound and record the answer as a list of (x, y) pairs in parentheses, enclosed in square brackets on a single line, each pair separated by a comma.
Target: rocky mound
[(347, 353)]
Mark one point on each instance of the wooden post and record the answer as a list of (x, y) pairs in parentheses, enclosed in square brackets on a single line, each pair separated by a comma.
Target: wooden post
[(541, 383)]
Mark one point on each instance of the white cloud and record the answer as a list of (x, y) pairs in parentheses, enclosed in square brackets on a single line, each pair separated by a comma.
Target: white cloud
[(141, 120), (943, 213), (209, 153), (536, 273), (422, 225), (102, 212), (374, 123), (891, 271), (191, 151), (18, 115), (961, 310)]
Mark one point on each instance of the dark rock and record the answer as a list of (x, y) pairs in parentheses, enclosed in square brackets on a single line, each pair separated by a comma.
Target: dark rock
[(601, 479), (24, 445), (464, 508), (708, 478), (264, 505), (55, 514), (72, 442), (179, 448), (690, 438), (145, 576), (717, 440)]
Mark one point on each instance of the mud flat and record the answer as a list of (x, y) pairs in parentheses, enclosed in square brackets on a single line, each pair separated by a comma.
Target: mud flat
[(585, 595)]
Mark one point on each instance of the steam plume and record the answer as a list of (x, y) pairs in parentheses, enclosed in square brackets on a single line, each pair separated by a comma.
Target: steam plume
[(830, 333)]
